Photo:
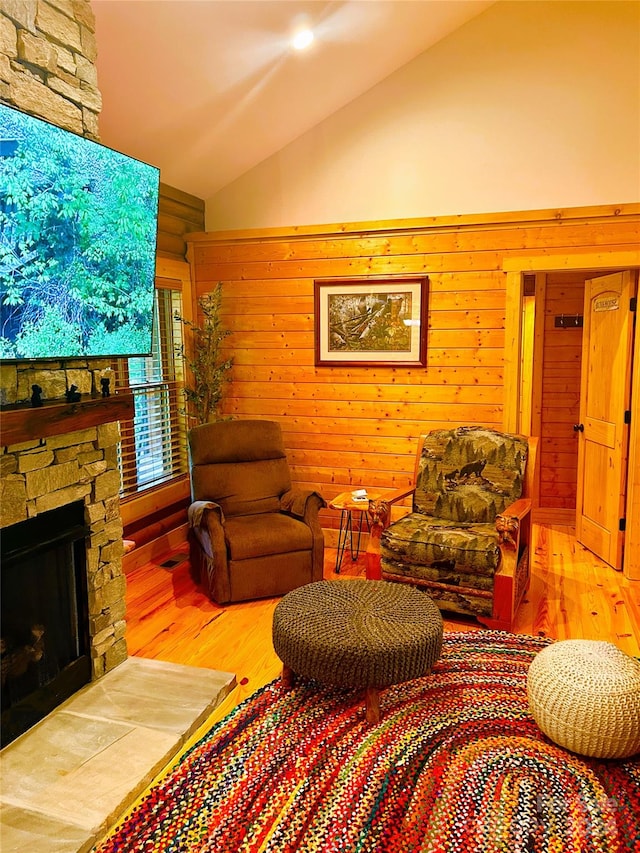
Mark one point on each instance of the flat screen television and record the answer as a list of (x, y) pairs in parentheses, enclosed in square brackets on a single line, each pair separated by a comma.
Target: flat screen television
[(78, 231)]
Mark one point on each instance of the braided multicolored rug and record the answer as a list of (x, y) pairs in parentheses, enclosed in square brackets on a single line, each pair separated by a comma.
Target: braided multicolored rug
[(456, 764)]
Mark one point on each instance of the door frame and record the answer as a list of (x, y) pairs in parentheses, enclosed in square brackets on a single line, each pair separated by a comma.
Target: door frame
[(515, 267)]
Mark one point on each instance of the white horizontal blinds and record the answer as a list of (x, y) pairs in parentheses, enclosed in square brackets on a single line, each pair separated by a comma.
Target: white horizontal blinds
[(153, 445)]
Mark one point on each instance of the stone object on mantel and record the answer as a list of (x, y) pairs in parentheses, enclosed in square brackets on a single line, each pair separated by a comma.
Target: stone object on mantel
[(23, 423)]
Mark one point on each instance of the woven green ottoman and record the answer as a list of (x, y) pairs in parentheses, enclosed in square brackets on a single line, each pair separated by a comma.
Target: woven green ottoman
[(359, 633)]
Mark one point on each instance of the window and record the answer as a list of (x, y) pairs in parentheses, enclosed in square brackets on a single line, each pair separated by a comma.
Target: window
[(153, 446)]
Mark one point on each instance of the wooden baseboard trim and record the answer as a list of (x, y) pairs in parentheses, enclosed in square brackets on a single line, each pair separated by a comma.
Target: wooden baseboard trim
[(155, 549), (550, 515), (331, 538)]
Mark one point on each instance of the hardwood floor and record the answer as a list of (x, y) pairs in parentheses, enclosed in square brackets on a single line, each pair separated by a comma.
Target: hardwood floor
[(572, 595)]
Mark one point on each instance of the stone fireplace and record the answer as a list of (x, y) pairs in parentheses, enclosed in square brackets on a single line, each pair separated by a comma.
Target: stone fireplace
[(77, 468), (47, 68)]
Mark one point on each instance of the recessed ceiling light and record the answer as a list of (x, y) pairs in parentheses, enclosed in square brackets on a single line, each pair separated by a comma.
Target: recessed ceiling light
[(302, 39)]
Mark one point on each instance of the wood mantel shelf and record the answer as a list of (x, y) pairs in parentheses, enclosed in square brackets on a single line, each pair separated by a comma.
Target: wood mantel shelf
[(25, 423)]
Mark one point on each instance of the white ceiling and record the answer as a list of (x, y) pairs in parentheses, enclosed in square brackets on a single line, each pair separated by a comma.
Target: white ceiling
[(207, 89)]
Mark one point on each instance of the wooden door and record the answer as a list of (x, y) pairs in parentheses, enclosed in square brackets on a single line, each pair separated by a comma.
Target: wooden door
[(604, 403)]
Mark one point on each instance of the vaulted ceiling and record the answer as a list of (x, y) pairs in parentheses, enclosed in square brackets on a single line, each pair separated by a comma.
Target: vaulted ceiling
[(207, 89)]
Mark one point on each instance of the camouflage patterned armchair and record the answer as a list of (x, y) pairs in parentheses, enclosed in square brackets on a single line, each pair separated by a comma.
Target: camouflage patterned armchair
[(467, 539)]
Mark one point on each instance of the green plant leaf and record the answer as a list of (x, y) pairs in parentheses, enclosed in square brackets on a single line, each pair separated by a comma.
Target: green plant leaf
[(209, 364)]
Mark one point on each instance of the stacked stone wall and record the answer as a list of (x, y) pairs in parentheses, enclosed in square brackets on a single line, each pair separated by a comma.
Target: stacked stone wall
[(47, 69), (47, 62)]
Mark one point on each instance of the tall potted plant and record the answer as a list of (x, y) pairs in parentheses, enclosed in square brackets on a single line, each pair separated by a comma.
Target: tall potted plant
[(208, 368)]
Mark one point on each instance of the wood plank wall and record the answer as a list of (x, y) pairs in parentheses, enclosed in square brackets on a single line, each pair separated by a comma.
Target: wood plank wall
[(358, 426), (560, 410), (178, 214)]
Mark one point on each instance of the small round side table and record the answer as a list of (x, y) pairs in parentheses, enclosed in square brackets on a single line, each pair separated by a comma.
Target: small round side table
[(347, 506)]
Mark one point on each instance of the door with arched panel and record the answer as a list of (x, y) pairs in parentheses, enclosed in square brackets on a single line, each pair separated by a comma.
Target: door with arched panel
[(605, 394)]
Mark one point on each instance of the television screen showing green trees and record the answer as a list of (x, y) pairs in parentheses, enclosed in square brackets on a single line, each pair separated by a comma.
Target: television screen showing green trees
[(78, 229)]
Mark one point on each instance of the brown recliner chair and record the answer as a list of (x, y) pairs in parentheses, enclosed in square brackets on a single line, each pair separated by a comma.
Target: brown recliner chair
[(251, 534)]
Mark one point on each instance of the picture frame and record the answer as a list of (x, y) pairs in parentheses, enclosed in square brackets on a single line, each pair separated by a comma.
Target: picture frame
[(371, 322)]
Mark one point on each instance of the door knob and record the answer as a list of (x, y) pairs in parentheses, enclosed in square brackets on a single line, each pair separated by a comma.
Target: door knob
[(578, 427)]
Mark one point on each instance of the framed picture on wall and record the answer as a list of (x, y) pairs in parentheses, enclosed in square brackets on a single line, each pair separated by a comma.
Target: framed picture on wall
[(371, 322)]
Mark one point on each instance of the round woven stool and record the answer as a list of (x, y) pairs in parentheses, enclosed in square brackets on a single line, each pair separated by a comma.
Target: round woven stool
[(358, 633), (585, 696)]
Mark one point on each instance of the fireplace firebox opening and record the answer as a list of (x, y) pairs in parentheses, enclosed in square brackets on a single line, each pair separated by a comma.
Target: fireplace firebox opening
[(44, 627)]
